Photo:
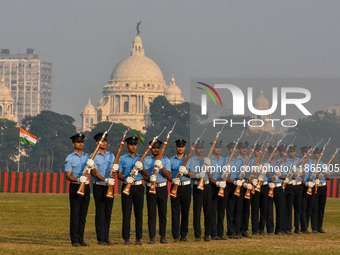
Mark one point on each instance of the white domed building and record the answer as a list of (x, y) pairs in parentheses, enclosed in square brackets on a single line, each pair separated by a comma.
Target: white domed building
[(134, 83), (6, 103), (261, 103)]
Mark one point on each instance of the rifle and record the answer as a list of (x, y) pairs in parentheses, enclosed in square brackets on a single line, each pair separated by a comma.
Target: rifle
[(173, 192), (247, 195), (201, 181), (325, 169), (310, 189), (134, 171), (153, 184), (221, 191), (81, 189), (109, 192)]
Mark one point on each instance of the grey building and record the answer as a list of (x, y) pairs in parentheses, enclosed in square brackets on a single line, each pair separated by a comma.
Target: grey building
[(30, 81)]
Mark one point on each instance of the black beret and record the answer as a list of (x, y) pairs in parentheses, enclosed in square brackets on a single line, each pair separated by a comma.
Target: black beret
[(243, 144), (292, 148), (99, 136), (131, 140), (258, 147), (271, 148), (218, 144), (200, 144), (282, 147), (318, 150), (156, 144), (305, 148), (231, 145), (180, 142), (77, 138)]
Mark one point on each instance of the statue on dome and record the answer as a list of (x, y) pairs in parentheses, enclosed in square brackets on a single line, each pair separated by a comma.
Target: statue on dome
[(138, 24)]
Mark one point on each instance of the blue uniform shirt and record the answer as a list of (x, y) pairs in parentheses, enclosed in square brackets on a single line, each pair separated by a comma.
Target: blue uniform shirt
[(103, 163), (272, 169), (149, 164), (239, 165), (76, 164), (127, 163), (175, 164), (312, 167), (217, 167), (196, 167), (234, 171), (307, 169), (287, 167)]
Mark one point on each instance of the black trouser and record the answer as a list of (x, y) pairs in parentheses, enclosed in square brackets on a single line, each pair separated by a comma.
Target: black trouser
[(202, 198), (234, 210), (103, 212), (180, 206), (79, 205), (319, 208), (136, 198), (263, 206), (277, 199), (288, 199), (160, 200), (245, 210), (218, 205), (255, 208), (306, 207), (297, 205)]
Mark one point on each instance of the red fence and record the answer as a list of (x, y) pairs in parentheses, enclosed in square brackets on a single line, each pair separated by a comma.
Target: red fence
[(12, 182)]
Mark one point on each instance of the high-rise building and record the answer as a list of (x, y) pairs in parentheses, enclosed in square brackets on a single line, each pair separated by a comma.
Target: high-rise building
[(30, 81)]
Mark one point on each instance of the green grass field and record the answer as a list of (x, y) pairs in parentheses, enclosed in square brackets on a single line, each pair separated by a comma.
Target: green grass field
[(39, 224)]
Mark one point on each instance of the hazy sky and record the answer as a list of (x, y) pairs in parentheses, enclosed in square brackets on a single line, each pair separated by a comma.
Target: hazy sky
[(86, 39)]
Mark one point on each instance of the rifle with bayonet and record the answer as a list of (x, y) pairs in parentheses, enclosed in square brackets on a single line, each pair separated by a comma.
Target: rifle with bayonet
[(155, 170), (81, 189), (173, 192), (114, 170), (205, 166), (134, 171)]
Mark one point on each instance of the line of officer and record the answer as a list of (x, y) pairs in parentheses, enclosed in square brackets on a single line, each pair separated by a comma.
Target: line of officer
[(101, 181), (180, 205), (75, 164), (160, 199)]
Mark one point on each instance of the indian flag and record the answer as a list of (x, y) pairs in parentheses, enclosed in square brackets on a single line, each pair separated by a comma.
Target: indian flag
[(27, 137)]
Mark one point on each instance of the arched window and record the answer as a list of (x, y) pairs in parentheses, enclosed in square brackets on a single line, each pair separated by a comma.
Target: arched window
[(139, 48), (126, 106), (91, 121), (87, 121), (0, 111), (135, 48)]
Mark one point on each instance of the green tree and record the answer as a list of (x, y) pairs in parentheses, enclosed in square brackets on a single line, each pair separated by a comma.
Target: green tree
[(9, 142), (53, 131)]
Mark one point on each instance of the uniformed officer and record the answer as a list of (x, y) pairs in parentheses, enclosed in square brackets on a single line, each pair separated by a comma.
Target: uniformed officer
[(126, 164), (218, 204), (101, 181), (288, 194), (180, 205), (234, 203), (202, 198), (278, 193), (75, 164), (319, 204), (160, 199)]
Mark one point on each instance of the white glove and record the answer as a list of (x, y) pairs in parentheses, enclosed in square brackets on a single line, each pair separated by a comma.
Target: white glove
[(294, 169), (223, 184), (311, 184), (207, 161), (175, 181), (200, 175), (254, 182), (111, 181), (317, 182), (139, 165), (294, 182), (82, 178), (249, 186), (129, 179), (115, 167), (238, 183), (245, 185), (286, 180), (265, 167), (218, 184), (153, 178), (183, 170), (158, 163), (107, 180), (90, 163), (271, 185)]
